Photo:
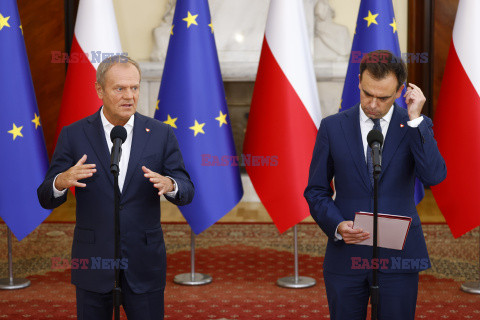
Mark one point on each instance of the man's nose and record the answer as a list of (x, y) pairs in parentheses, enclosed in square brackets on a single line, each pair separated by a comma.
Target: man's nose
[(374, 103), (128, 94)]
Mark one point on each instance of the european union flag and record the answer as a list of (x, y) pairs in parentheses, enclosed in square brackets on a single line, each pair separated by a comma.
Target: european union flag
[(24, 160), (376, 30), (192, 101)]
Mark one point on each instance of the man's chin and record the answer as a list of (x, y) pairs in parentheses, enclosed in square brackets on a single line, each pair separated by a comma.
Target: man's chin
[(127, 110)]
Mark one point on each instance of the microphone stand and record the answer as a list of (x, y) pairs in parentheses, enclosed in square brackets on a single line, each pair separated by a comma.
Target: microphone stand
[(374, 289), (117, 290)]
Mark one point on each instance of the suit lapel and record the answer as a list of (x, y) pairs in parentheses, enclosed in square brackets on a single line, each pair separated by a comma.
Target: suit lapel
[(96, 136), (139, 141), (395, 134), (351, 128)]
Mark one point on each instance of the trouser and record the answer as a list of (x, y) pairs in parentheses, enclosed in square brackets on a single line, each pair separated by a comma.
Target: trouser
[(99, 306), (348, 295)]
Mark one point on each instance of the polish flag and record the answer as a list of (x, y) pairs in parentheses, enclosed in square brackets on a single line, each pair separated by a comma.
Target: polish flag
[(457, 124), (95, 37), (284, 116)]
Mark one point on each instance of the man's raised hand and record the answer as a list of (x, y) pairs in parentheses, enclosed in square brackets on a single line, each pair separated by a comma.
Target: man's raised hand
[(78, 172), (415, 100), (163, 184)]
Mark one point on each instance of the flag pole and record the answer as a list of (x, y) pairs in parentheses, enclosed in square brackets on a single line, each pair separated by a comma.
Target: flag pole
[(192, 278), (296, 282), (474, 286), (12, 283)]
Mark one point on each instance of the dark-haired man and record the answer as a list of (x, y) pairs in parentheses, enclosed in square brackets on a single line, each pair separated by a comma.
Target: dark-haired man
[(340, 152), (151, 165)]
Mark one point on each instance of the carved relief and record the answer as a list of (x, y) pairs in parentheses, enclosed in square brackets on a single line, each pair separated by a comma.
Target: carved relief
[(240, 27)]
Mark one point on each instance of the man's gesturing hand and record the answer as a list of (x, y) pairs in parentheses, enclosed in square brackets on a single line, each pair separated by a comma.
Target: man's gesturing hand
[(79, 171), (163, 184), (415, 100), (351, 235)]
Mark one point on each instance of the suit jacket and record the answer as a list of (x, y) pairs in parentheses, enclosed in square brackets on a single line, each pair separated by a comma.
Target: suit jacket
[(407, 153), (142, 246)]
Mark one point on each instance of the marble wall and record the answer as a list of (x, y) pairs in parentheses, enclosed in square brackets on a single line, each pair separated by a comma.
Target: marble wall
[(137, 20)]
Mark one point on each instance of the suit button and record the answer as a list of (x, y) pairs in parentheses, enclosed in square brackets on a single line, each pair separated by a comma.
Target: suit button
[(121, 207)]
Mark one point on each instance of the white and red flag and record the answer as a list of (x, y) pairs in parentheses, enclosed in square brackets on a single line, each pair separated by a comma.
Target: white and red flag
[(457, 124), (95, 37), (284, 116)]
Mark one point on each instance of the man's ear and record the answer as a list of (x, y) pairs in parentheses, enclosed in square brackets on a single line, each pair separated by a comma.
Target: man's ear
[(99, 90), (399, 91)]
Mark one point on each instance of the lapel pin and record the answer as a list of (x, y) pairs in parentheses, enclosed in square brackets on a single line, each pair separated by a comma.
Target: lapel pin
[(146, 129), (401, 125)]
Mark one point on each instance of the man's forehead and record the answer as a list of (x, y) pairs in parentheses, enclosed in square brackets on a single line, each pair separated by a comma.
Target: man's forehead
[(122, 72), (387, 84)]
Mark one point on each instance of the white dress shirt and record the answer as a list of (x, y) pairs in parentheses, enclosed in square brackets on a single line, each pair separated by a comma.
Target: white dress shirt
[(126, 148)]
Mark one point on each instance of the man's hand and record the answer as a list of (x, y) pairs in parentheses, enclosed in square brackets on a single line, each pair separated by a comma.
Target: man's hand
[(163, 184), (351, 235), (415, 100), (79, 171)]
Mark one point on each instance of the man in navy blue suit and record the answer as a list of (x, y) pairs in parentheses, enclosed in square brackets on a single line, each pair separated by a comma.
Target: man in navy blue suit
[(151, 165), (340, 154)]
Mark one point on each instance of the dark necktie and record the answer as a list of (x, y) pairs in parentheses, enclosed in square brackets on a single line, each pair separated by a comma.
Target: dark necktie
[(376, 126)]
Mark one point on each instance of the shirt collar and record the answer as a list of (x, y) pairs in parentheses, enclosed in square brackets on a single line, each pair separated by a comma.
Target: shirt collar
[(107, 125), (387, 117)]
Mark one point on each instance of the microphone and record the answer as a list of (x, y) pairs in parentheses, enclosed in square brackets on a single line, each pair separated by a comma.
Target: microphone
[(118, 136), (375, 141)]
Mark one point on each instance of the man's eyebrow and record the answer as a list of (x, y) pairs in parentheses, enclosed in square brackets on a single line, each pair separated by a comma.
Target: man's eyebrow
[(371, 95)]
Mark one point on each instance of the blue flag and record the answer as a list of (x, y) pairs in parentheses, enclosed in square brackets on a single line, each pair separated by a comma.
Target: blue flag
[(24, 160), (376, 30), (192, 101)]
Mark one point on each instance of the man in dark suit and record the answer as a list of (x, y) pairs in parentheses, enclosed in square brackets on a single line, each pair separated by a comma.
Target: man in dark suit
[(340, 153), (151, 165)]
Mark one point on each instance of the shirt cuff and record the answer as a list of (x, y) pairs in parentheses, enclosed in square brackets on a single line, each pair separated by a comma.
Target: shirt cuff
[(56, 193), (173, 193), (415, 122), (338, 236)]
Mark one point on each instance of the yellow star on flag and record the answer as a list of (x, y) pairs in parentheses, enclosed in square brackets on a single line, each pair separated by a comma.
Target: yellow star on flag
[(222, 118), (198, 127), (156, 108), (21, 28), (371, 18), (4, 22), (211, 26), (394, 25), (36, 121), (191, 19), (16, 131), (171, 29), (171, 121)]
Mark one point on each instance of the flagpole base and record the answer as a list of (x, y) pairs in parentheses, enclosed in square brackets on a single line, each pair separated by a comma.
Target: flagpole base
[(197, 279), (6, 284), (471, 287), (289, 282)]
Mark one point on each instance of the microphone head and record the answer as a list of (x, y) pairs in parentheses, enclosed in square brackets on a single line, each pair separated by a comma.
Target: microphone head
[(374, 136), (118, 132)]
